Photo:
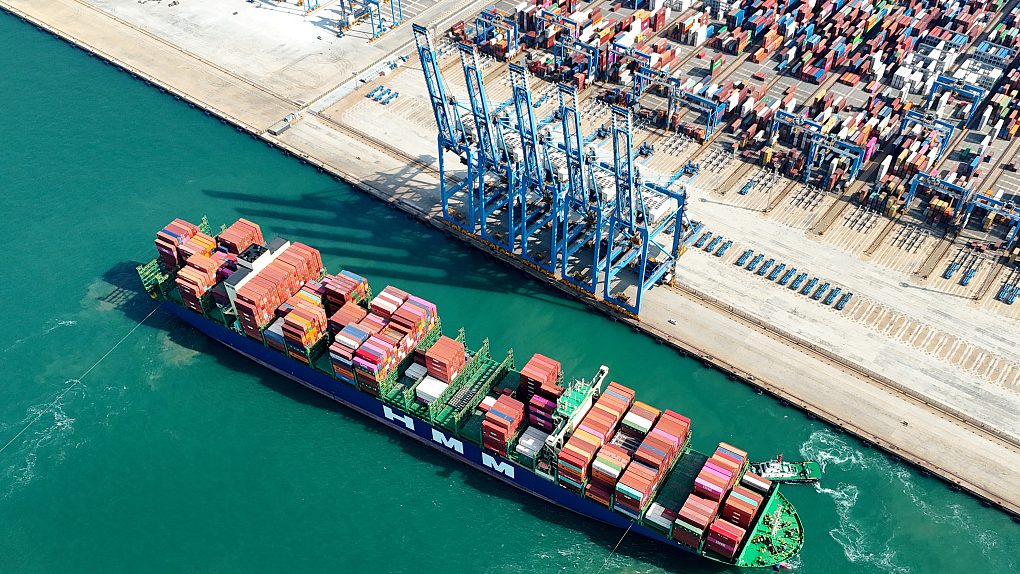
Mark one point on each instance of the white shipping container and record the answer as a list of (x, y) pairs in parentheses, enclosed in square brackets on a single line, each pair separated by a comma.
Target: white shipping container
[(747, 107)]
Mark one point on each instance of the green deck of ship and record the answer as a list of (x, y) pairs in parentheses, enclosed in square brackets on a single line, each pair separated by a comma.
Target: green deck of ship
[(777, 536)]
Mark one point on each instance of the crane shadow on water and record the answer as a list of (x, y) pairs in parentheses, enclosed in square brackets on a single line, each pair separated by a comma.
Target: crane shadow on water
[(353, 230)]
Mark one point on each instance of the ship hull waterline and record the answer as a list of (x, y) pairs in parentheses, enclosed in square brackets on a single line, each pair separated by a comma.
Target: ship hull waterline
[(491, 464)]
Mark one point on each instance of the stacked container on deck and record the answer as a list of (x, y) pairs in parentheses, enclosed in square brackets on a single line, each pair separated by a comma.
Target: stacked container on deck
[(393, 328), (502, 421), (368, 345), (302, 321), (170, 239), (693, 520), (594, 430), (343, 293), (240, 236), (540, 391), (258, 299), (652, 460), (199, 275), (530, 444), (445, 359)]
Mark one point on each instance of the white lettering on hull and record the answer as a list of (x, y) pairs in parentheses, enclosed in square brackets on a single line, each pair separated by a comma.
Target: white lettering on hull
[(449, 442), (503, 467), (406, 419)]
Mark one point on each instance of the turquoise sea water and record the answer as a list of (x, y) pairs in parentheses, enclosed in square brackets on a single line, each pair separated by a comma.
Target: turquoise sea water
[(174, 455)]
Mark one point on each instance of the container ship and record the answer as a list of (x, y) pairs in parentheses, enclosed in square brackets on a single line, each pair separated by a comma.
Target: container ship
[(586, 445)]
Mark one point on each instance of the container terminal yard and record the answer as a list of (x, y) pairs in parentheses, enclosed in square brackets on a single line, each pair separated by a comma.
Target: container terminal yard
[(818, 197)]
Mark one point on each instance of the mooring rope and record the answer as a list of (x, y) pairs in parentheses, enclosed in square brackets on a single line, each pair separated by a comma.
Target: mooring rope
[(606, 563), (74, 382)]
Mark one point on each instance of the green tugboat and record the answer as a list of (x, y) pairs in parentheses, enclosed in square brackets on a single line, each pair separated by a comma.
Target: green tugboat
[(779, 470)]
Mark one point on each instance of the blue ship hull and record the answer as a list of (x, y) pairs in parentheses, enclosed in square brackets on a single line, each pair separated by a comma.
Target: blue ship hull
[(490, 463)]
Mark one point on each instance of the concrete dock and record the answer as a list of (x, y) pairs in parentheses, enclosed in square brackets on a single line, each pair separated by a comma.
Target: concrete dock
[(910, 366)]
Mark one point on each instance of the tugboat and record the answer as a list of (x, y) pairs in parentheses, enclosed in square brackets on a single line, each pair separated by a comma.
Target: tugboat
[(788, 472)]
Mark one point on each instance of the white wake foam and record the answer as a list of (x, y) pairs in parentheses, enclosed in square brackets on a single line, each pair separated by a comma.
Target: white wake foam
[(52, 430), (857, 542)]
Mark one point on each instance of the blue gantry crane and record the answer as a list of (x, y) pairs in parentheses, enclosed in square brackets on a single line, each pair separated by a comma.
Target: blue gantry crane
[(958, 88), (930, 121), (491, 20), (582, 210), (937, 185), (641, 215), (451, 136), (1007, 209), (539, 199), (493, 198), (563, 50), (645, 77), (354, 11), (818, 141)]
